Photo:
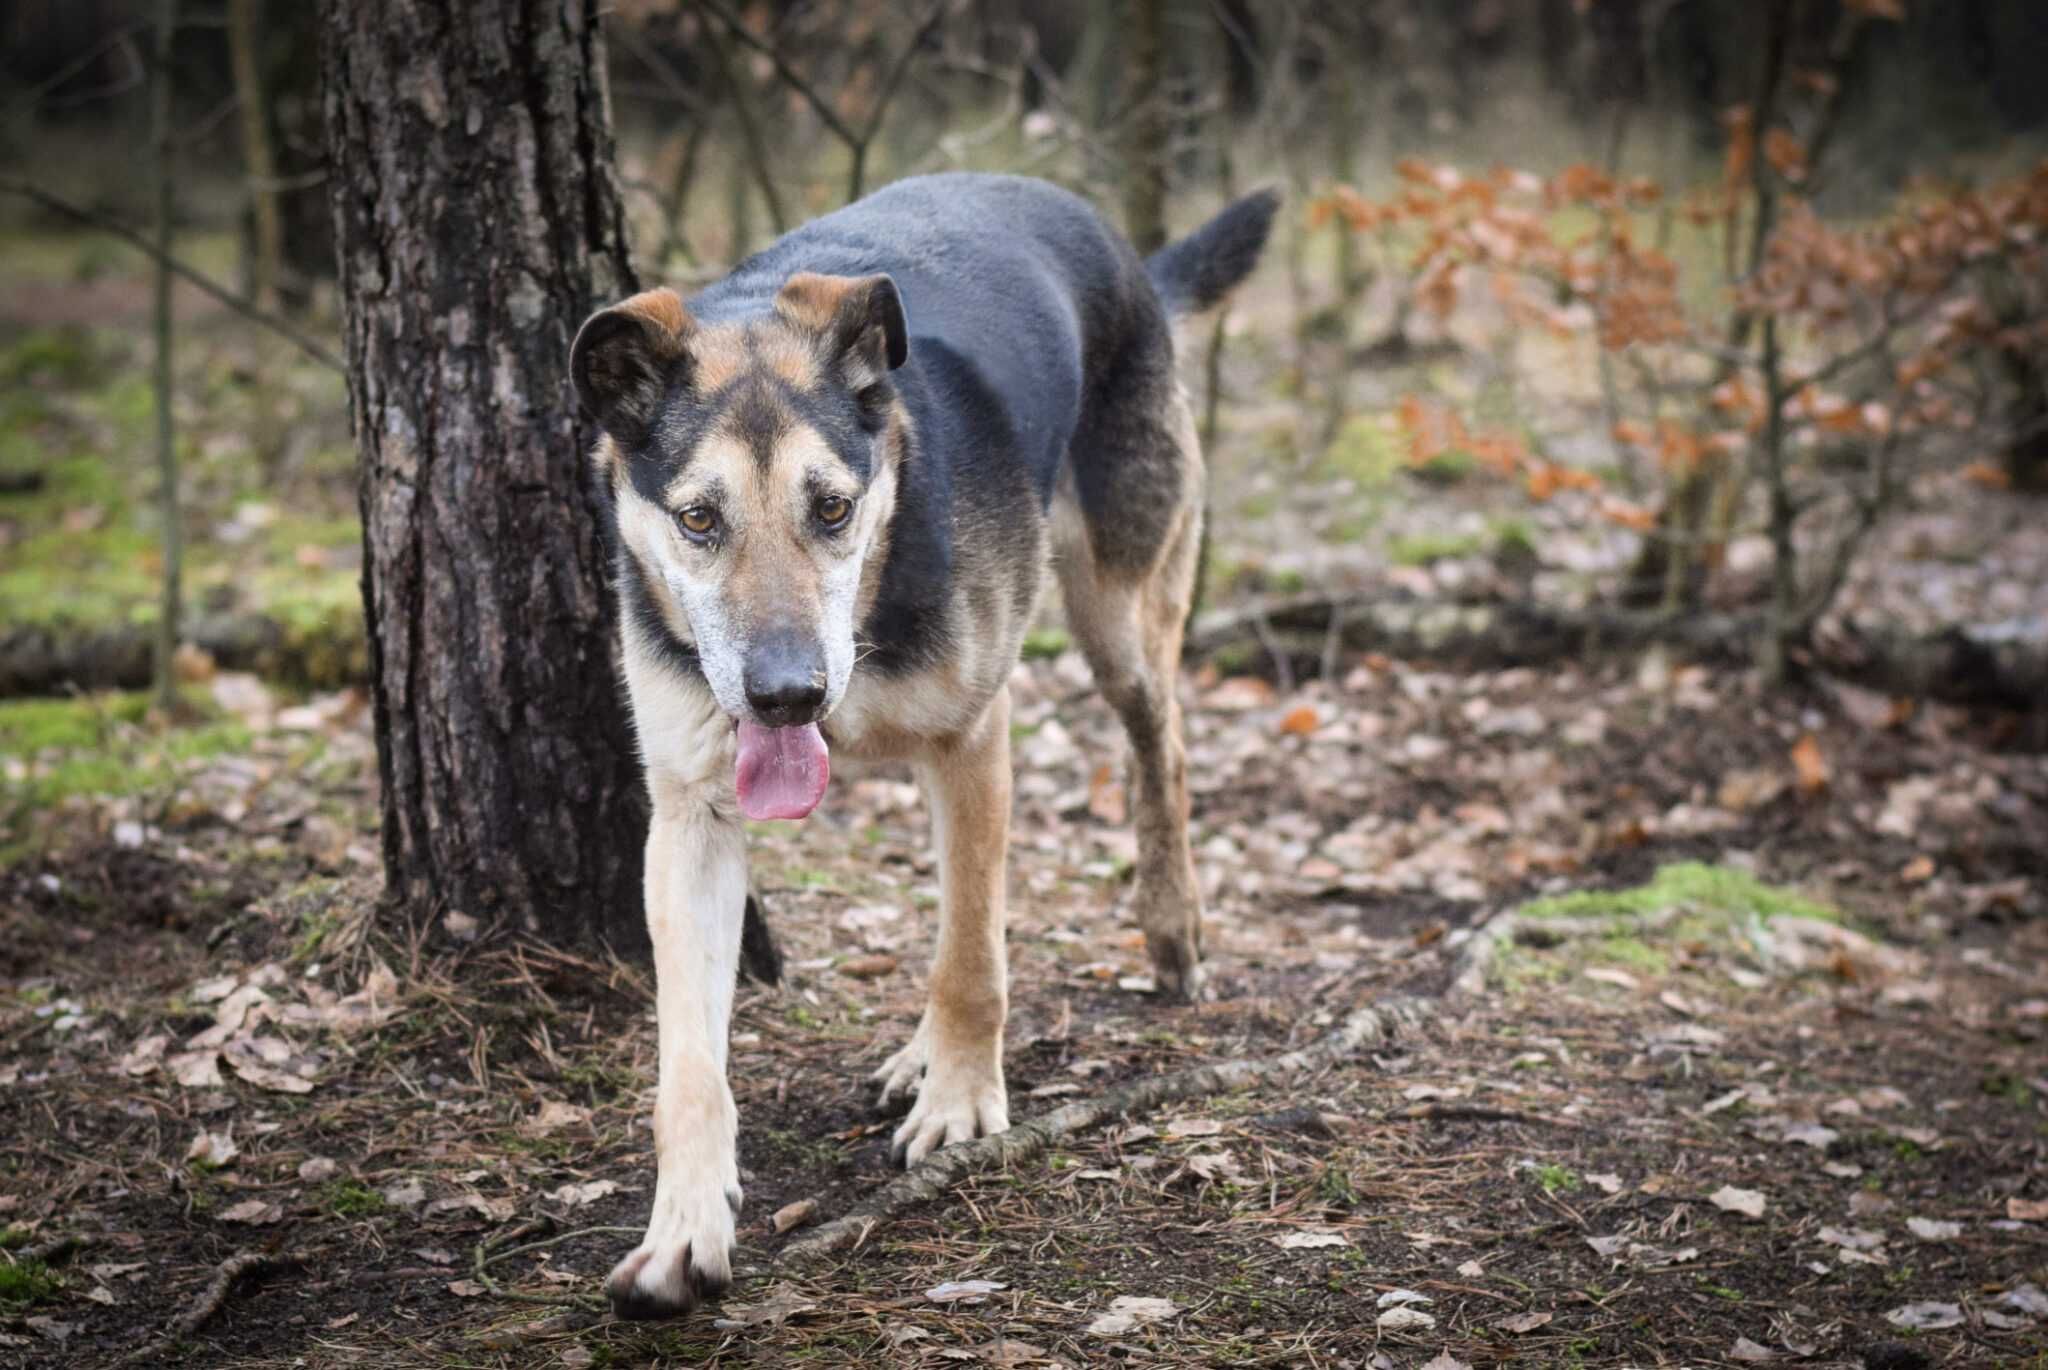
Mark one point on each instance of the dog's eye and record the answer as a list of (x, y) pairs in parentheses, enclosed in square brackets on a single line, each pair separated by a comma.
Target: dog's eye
[(832, 510), (697, 522)]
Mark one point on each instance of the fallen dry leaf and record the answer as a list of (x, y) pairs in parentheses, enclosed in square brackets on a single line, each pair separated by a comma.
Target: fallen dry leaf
[(1309, 1240), (1925, 1316), (254, 1212), (963, 1291), (2026, 1210), (1127, 1313), (466, 1289), (577, 1195), (871, 967), (196, 1069), (1729, 1199), (1524, 1322), (553, 1115), (1809, 765), (1106, 799), (794, 1215), (1405, 1319), (781, 1304), (213, 1148)]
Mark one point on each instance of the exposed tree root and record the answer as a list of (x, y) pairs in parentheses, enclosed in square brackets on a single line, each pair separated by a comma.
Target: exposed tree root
[(1477, 1113), (936, 1174), (1482, 944), (213, 1298)]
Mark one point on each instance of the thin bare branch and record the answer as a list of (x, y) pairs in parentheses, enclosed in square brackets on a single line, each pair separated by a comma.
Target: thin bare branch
[(11, 185)]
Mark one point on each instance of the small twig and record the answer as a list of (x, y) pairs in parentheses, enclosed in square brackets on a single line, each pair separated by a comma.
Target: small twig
[(484, 1254), (1282, 666), (213, 1298), (932, 1177), (55, 1249), (1475, 1113), (11, 185), (560, 1237)]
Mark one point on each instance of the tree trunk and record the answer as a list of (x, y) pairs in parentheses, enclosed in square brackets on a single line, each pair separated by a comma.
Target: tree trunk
[(166, 439), (1148, 128), (259, 163), (477, 221)]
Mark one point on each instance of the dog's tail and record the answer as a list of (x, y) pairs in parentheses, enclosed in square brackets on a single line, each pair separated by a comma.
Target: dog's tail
[(1200, 269)]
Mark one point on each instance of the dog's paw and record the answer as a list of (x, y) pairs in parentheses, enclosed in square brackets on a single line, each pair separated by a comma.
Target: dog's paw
[(901, 1074), (957, 1106), (685, 1258), (1176, 968)]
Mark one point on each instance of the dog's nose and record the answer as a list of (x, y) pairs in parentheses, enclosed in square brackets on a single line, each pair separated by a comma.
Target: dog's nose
[(785, 679)]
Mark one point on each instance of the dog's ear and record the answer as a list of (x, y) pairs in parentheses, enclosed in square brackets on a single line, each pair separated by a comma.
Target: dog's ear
[(625, 358), (859, 317)]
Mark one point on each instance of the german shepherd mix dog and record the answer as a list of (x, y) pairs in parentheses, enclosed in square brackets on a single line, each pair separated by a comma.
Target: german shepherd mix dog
[(838, 476)]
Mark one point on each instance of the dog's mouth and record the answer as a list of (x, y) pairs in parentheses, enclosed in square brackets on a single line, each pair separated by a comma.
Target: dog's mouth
[(781, 772)]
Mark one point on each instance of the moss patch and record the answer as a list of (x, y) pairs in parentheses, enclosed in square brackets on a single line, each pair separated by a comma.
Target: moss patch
[(25, 1283), (1690, 884), (1420, 549)]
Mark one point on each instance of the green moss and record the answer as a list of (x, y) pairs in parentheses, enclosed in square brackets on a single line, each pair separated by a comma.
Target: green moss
[(1043, 644), (28, 726), (351, 1199), (1447, 467), (1512, 537), (1694, 884), (1364, 453), (99, 746), (1420, 549), (1555, 1178), (25, 1283), (1632, 952), (63, 356)]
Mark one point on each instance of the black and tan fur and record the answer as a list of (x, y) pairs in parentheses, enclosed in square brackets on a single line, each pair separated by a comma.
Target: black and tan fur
[(984, 371)]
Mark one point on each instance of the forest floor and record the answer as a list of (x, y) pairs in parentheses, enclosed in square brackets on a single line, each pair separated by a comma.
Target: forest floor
[(1760, 1079)]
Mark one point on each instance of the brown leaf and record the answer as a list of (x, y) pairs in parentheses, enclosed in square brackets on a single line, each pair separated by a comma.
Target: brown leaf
[(795, 1215), (1524, 1322), (1918, 871), (1301, 721), (255, 1212), (1106, 795), (2026, 1210), (1810, 765), (872, 967)]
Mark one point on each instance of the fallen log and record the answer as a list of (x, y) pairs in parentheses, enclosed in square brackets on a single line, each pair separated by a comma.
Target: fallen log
[(325, 653), (2002, 665)]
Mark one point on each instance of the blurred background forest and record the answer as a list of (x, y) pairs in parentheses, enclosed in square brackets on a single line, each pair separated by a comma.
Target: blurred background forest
[(1544, 270)]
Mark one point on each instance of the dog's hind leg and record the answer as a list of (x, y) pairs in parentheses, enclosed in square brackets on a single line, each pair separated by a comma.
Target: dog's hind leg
[(960, 1042), (696, 902), (1127, 610)]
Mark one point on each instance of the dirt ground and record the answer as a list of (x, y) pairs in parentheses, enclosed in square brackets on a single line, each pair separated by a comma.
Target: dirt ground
[(1692, 1142)]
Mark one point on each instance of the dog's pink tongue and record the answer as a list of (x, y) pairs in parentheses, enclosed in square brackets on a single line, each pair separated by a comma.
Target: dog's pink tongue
[(782, 771)]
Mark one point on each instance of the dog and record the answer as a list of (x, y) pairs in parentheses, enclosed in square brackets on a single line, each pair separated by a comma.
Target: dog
[(837, 479)]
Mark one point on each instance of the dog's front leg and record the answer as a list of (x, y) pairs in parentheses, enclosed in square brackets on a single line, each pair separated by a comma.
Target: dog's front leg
[(967, 782), (696, 899)]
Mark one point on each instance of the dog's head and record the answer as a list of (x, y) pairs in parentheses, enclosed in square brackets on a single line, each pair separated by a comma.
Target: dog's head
[(753, 469)]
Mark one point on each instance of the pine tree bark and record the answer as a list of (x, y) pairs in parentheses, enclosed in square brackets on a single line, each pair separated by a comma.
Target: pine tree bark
[(478, 220)]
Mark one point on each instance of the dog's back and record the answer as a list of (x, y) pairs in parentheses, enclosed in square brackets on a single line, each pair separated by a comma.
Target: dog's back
[(1010, 284)]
